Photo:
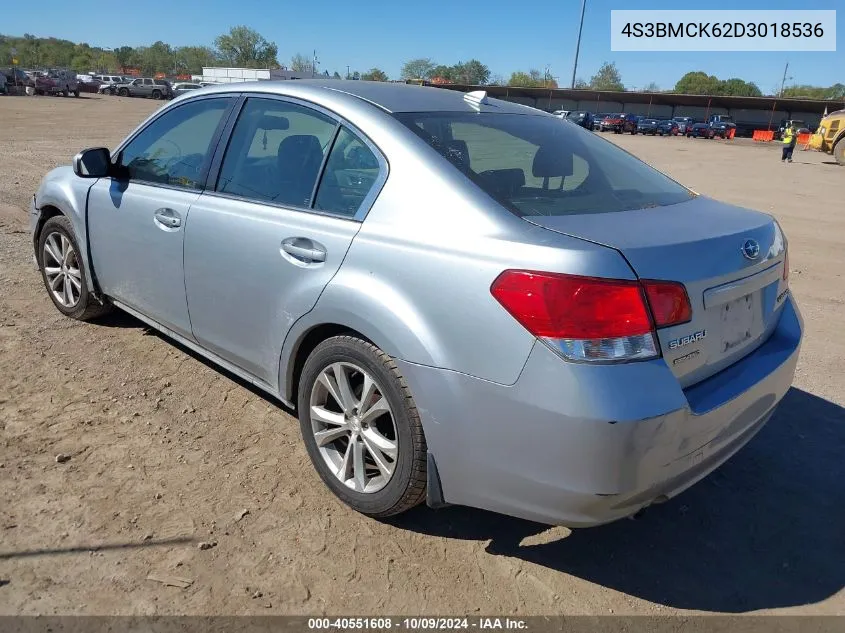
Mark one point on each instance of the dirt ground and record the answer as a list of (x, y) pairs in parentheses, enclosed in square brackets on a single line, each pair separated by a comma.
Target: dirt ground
[(167, 452)]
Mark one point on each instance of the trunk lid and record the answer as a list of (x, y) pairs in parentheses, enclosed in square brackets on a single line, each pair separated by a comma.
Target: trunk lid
[(708, 246)]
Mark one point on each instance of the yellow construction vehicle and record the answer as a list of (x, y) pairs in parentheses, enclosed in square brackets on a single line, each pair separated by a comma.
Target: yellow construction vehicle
[(830, 137)]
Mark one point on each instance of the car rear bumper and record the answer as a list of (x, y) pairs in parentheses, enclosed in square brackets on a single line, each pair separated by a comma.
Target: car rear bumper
[(581, 445)]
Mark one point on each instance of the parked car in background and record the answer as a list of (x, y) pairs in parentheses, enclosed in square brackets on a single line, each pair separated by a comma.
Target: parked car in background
[(107, 83), (684, 122), (667, 126), (145, 87), (647, 126), (597, 120), (184, 87), (722, 125), (91, 86), (561, 114), (16, 80), (620, 123), (643, 333), (64, 82), (582, 118), (700, 130)]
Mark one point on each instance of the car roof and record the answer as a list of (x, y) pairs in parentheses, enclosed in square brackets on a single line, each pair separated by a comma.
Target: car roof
[(391, 97)]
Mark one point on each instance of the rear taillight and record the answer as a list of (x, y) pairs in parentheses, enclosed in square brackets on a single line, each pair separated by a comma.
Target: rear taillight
[(589, 318), (669, 302)]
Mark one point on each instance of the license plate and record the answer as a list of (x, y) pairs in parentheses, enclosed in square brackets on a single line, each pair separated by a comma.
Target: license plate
[(737, 322)]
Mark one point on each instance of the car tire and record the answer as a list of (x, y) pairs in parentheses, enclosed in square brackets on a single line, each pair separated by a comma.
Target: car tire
[(839, 151), (57, 232), (356, 359), (156, 95), (76, 93), (123, 92)]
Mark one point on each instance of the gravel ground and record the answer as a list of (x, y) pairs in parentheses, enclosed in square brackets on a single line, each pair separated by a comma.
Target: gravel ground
[(166, 453)]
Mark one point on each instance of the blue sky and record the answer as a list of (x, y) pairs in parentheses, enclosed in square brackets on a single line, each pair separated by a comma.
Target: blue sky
[(505, 35)]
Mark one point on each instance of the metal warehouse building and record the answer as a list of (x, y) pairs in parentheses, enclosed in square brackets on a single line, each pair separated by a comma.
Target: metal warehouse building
[(234, 75), (748, 112)]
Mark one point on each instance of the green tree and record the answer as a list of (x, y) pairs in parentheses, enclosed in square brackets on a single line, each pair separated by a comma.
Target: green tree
[(418, 68), (192, 59), (443, 72), (581, 84), (472, 73), (301, 64), (607, 78), (532, 79), (651, 87), (738, 88), (336, 75), (158, 58), (374, 74), (697, 83), (245, 47), (124, 55)]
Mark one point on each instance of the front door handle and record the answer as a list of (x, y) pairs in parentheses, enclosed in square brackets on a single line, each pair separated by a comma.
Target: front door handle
[(168, 218), (304, 249)]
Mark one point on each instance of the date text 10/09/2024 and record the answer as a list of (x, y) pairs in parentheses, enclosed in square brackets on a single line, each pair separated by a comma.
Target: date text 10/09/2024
[(416, 624)]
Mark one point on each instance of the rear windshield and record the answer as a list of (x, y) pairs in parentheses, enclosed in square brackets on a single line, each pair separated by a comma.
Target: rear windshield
[(534, 166)]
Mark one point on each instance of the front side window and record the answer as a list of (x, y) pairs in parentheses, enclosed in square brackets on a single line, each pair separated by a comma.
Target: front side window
[(276, 152), (174, 149), (533, 166), (351, 171)]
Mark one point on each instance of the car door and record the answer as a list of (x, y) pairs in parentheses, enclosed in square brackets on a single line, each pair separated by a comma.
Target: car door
[(136, 219), (263, 241)]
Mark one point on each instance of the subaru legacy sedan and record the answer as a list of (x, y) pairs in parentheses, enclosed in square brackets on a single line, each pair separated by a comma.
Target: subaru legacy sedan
[(465, 301)]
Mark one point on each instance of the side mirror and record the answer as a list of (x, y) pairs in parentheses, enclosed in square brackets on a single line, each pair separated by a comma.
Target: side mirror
[(92, 163)]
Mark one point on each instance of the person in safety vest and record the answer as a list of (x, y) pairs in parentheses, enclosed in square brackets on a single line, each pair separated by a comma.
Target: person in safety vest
[(790, 137)]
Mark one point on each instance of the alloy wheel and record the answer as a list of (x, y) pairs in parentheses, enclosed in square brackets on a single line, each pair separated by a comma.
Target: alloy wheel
[(61, 268), (354, 427)]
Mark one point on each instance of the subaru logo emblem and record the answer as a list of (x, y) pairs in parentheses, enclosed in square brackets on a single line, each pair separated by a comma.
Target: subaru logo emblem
[(751, 249)]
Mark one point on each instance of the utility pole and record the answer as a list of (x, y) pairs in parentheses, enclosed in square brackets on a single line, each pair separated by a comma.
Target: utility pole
[(347, 71), (314, 63), (783, 83), (578, 44)]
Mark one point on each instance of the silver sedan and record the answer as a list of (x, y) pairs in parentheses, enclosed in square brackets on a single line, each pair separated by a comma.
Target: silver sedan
[(465, 301)]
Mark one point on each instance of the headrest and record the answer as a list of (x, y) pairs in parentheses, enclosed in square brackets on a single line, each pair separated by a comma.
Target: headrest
[(552, 161), (301, 146)]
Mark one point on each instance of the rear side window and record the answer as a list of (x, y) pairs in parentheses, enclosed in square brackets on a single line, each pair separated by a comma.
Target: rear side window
[(533, 165), (351, 171), (276, 152)]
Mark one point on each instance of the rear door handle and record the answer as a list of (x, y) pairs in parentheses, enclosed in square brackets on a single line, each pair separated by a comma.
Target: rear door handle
[(168, 218), (304, 249)]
